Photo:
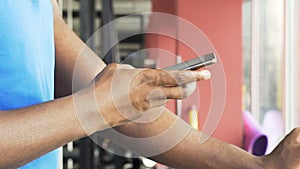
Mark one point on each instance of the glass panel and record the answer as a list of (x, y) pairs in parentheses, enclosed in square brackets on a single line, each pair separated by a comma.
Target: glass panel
[(263, 51), (292, 69), (271, 50)]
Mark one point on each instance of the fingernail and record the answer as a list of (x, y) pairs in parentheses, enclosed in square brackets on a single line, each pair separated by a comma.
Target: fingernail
[(205, 74)]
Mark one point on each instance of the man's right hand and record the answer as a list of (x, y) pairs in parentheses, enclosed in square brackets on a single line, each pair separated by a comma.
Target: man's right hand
[(124, 93)]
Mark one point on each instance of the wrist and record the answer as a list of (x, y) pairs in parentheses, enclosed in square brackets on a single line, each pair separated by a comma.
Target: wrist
[(87, 111), (95, 113)]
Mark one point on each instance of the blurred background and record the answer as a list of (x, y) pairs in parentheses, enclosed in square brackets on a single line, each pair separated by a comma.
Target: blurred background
[(257, 42)]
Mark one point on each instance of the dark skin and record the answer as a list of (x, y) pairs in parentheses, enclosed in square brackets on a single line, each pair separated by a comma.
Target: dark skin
[(211, 154), (47, 126)]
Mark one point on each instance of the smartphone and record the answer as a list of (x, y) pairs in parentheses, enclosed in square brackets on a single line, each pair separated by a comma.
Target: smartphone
[(195, 63)]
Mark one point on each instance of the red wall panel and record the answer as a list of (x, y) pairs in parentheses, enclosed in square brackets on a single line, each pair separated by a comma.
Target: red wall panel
[(221, 21)]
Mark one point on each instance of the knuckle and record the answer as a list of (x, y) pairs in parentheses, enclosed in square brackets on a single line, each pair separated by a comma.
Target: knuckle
[(298, 140), (146, 75), (149, 71), (112, 66), (156, 76), (181, 92), (179, 77), (140, 106), (296, 131), (144, 108), (110, 69)]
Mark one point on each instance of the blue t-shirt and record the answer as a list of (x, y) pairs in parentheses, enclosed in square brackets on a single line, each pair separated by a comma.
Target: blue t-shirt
[(27, 60)]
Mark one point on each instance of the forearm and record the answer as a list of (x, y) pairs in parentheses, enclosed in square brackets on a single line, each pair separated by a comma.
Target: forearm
[(71, 52), (211, 154), (30, 132), (190, 153)]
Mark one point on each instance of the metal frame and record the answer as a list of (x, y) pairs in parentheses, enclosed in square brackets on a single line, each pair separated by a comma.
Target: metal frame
[(255, 65), (110, 35), (87, 15), (290, 67)]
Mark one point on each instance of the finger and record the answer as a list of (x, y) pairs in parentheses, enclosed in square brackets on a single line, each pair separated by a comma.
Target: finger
[(179, 92), (158, 103), (157, 98), (295, 134), (175, 78)]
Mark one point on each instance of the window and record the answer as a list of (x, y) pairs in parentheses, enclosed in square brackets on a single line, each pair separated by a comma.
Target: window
[(271, 63), (263, 42)]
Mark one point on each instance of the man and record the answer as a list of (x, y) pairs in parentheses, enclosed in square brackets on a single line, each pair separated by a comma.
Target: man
[(27, 38)]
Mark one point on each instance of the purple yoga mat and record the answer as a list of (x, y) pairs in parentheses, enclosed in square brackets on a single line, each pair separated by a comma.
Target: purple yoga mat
[(255, 141)]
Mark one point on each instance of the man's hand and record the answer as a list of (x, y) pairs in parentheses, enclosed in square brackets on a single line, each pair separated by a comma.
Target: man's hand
[(124, 93), (287, 153)]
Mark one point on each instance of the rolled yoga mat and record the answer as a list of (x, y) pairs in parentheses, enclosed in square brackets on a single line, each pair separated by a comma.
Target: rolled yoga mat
[(255, 141)]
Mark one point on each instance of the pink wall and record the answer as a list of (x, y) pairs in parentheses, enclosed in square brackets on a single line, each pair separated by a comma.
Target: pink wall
[(221, 21)]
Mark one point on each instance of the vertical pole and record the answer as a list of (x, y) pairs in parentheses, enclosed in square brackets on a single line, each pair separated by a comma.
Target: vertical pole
[(70, 13), (87, 15), (86, 153), (290, 69), (109, 34)]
